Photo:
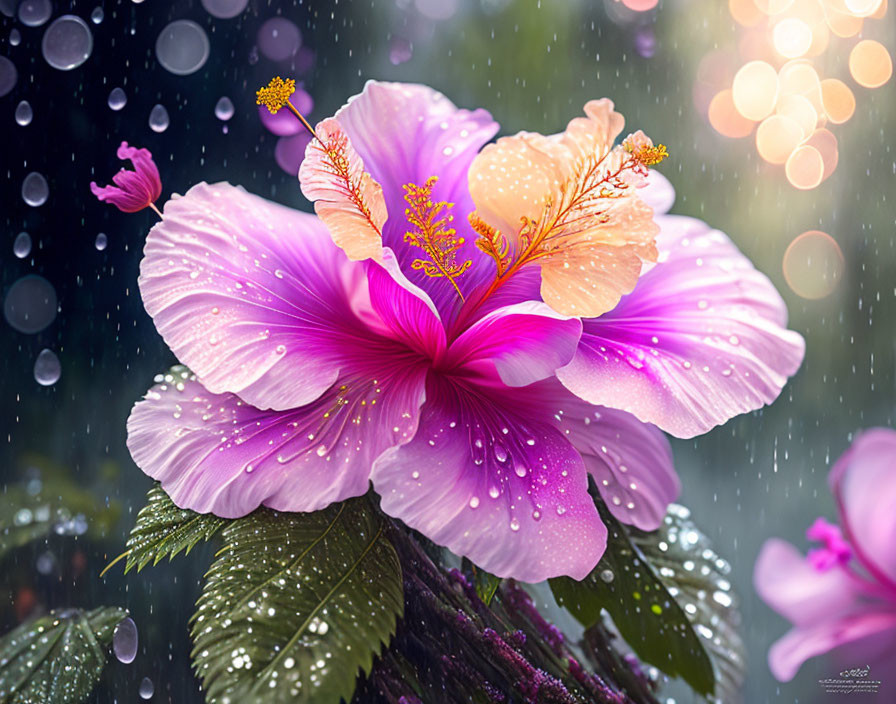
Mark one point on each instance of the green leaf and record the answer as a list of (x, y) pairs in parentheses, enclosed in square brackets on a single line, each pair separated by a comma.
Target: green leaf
[(642, 608), (296, 604), (697, 578), (164, 530), (57, 658), (486, 583)]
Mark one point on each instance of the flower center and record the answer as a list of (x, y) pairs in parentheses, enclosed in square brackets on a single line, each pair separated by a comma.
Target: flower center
[(835, 550)]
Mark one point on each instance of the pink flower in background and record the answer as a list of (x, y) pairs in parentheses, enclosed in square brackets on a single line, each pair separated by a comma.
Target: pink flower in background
[(844, 591), (417, 333), (133, 190)]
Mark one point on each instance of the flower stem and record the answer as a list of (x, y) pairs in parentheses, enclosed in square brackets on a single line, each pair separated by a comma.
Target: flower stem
[(157, 211)]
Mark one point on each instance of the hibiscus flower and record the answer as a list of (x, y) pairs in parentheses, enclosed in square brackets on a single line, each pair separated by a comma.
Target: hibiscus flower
[(473, 329), (845, 591)]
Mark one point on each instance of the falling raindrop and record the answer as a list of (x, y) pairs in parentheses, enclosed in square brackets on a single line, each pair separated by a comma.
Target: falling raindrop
[(224, 109), (146, 688), (35, 190), (158, 119), (182, 47), (15, 37), (101, 241), (97, 15), (33, 13), (30, 304), (24, 113), (8, 76), (117, 99), (224, 9), (67, 43), (124, 641), (47, 368), (22, 245)]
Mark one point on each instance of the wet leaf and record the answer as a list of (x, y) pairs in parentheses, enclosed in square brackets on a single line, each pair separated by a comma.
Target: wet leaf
[(296, 604), (57, 658), (644, 611), (486, 583), (164, 530), (697, 578)]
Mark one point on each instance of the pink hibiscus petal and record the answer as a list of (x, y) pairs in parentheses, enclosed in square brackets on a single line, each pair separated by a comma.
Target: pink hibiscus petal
[(488, 478), (253, 297), (407, 133), (787, 655), (526, 342), (864, 482), (215, 453), (631, 461), (700, 339), (787, 582)]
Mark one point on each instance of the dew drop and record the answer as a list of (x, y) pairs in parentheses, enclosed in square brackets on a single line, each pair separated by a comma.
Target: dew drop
[(514, 525), (607, 576), (224, 109), (22, 245), (47, 368), (182, 47), (158, 118), (117, 99), (146, 688), (24, 113), (35, 190), (474, 502), (494, 492), (67, 43), (124, 640)]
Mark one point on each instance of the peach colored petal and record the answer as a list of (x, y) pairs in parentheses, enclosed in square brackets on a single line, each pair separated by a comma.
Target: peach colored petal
[(569, 203), (345, 196)]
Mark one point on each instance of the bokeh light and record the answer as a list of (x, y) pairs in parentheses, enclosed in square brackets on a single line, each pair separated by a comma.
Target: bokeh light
[(777, 137), (870, 64), (755, 90), (725, 118), (813, 265), (804, 168), (792, 37), (839, 102)]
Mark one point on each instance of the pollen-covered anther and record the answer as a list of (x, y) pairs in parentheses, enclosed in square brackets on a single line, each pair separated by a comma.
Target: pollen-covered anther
[(643, 150), (275, 94)]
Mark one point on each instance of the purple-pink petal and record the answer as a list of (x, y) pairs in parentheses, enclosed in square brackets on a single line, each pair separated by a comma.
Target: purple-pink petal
[(787, 582), (215, 453), (787, 654), (700, 339), (489, 477), (631, 461), (133, 190), (407, 133), (524, 343), (864, 483)]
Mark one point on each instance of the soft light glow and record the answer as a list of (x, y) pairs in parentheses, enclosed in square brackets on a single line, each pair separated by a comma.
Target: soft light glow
[(826, 143), (773, 7), (804, 168), (777, 137), (640, 5), (745, 12), (799, 77), (813, 265), (792, 37), (755, 90), (839, 102), (800, 110), (725, 118), (843, 24), (870, 64), (862, 8)]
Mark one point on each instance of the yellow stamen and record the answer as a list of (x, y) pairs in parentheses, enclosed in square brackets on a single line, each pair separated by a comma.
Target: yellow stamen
[(648, 155), (276, 94)]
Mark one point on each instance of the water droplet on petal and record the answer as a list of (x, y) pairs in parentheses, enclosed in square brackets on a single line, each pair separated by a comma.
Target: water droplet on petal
[(514, 524)]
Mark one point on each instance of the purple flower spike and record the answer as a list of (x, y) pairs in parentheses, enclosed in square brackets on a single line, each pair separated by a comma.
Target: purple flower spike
[(133, 190)]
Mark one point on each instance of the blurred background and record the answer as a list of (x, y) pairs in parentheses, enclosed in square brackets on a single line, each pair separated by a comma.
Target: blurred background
[(777, 115)]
